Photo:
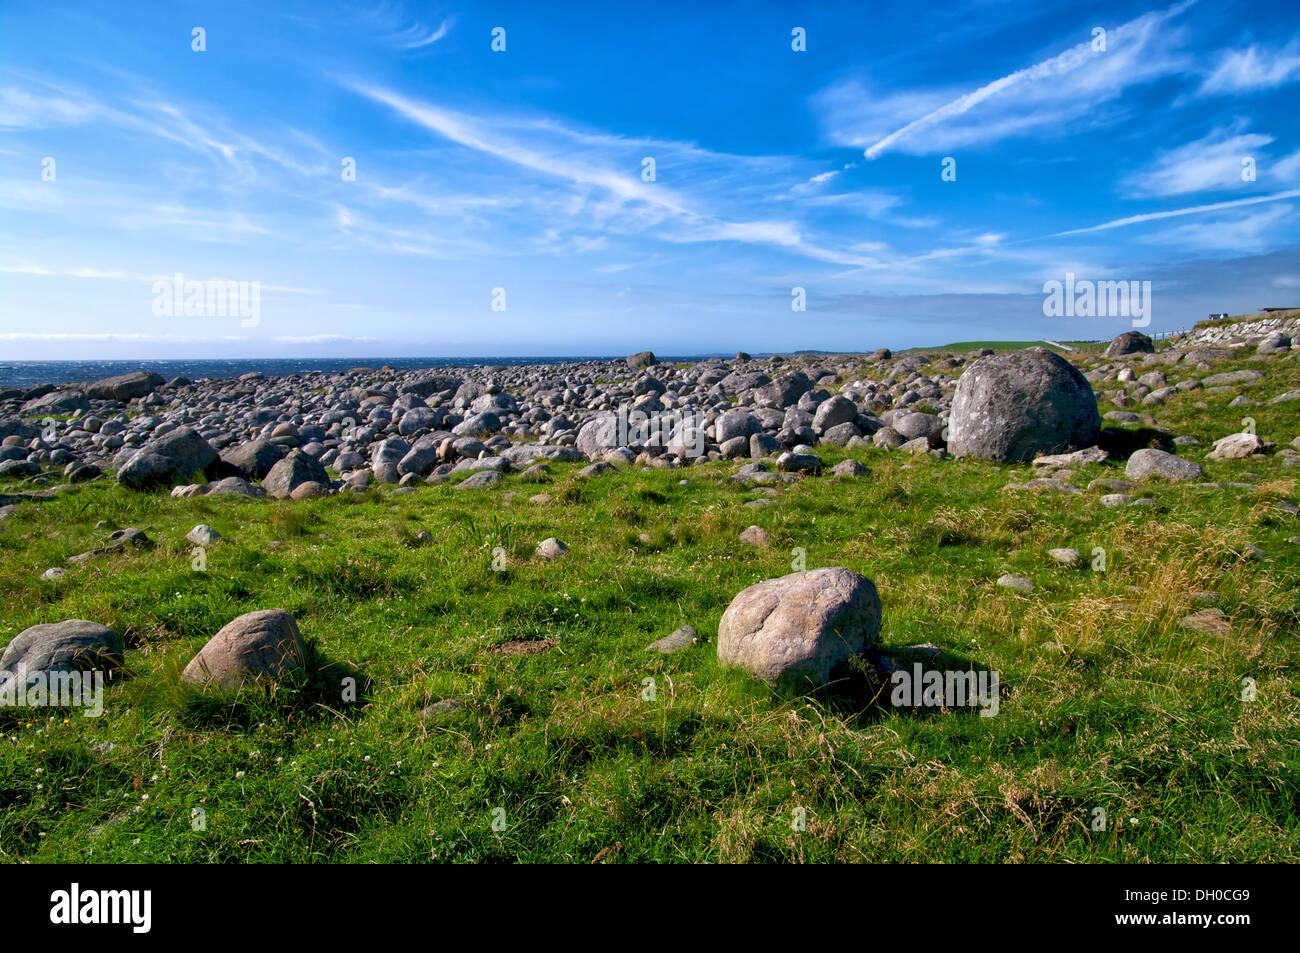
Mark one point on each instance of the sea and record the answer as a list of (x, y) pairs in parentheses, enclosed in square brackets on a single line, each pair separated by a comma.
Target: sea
[(20, 375)]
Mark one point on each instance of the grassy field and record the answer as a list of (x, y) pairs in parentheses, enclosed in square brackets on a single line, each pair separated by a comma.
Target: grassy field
[(560, 749)]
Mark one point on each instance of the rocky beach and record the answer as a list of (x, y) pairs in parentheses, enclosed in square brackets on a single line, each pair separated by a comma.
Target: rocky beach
[(267, 505)]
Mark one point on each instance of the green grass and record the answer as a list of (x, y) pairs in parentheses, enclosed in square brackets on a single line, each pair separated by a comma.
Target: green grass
[(1131, 714)]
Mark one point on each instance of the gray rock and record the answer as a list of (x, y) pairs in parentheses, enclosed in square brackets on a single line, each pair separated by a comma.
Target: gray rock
[(833, 411), (291, 472), (1130, 342), (794, 631), (263, 646), (481, 480), (598, 436), (551, 548), (849, 468), (676, 641), (1156, 463), (255, 458), (125, 387), (69, 646), (175, 456), (736, 423), (1011, 407), (1066, 557), (799, 463), (1019, 583), (1236, 446), (203, 535)]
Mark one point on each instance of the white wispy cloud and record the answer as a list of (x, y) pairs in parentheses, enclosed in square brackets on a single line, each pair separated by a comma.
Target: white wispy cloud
[(1174, 213), (1050, 94), (1253, 69), (417, 37), (1211, 162), (22, 109), (630, 202), (1252, 232)]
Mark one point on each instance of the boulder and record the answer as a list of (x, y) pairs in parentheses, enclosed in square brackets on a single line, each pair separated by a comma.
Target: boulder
[(1166, 466), (256, 646), (1012, 407), (551, 548), (1130, 342), (642, 359), (255, 458), (794, 631), (597, 437), (125, 387), (175, 456), (56, 402), (784, 391), (832, 411), (291, 472), (68, 646), (1235, 446), (736, 423)]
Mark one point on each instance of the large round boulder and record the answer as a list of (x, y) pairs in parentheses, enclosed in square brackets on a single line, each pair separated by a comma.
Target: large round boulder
[(58, 647), (124, 387), (293, 471), (794, 631), (1012, 407), (177, 455), (1130, 342), (255, 458), (263, 646), (598, 436)]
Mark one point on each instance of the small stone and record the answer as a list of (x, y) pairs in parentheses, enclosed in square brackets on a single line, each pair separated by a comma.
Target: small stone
[(444, 706), (551, 548), (203, 535), (481, 480), (1236, 446), (848, 468), (1019, 583), (756, 536), (1067, 557), (1157, 463), (54, 573), (1207, 621), (678, 640), (1112, 486), (540, 498)]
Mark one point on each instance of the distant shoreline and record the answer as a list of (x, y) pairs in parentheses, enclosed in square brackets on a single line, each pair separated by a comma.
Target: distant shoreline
[(26, 374)]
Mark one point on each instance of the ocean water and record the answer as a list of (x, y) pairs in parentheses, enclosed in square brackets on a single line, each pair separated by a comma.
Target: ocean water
[(24, 374)]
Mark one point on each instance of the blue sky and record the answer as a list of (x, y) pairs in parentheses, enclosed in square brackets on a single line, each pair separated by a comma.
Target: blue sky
[(523, 170)]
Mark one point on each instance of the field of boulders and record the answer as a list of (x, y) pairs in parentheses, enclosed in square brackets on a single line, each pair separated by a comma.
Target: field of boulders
[(645, 610)]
